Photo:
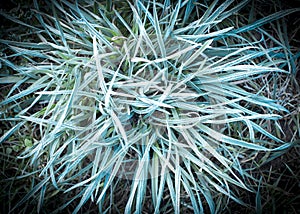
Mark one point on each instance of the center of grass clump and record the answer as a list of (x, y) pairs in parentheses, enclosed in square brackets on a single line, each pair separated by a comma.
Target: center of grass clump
[(149, 101)]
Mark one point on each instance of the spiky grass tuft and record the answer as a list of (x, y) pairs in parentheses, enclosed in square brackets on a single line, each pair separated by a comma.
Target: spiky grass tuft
[(146, 95)]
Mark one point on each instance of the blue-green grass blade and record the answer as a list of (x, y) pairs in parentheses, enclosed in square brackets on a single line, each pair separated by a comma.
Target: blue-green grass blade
[(213, 16), (23, 93), (258, 204), (220, 137), (58, 26), (188, 10), (11, 131), (173, 19), (31, 193), (265, 20)]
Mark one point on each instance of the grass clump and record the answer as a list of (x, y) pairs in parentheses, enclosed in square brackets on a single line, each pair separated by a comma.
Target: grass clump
[(159, 101)]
